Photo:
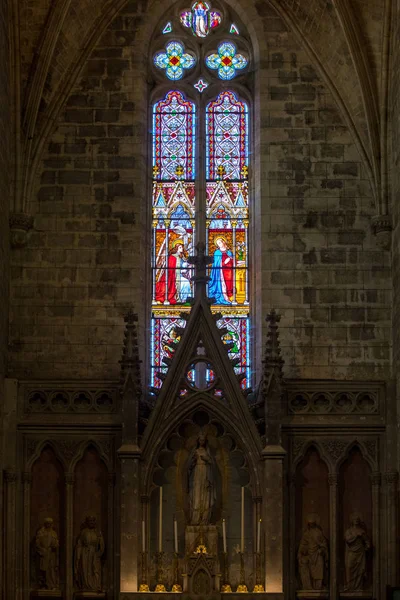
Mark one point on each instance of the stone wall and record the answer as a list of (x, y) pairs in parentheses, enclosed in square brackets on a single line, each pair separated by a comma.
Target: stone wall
[(88, 258), (395, 191), (5, 150)]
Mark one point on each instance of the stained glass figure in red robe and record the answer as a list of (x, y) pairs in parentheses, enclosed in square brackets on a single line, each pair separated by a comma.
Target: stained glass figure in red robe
[(222, 273)]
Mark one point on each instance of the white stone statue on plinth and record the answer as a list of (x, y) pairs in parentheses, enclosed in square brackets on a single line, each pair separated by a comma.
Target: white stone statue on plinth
[(357, 544), (202, 489), (46, 545), (312, 555)]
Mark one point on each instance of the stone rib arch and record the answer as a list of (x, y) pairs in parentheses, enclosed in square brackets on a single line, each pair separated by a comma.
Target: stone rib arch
[(80, 453), (356, 445), (160, 437), (310, 445), (52, 444)]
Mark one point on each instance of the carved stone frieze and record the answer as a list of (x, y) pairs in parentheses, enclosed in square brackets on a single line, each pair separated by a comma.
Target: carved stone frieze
[(297, 448), (342, 402), (10, 476), (371, 447), (391, 477), (52, 400), (335, 449), (382, 228)]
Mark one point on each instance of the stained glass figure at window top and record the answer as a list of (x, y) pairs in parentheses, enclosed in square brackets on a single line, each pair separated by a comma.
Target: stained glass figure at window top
[(226, 61), (174, 60), (201, 19)]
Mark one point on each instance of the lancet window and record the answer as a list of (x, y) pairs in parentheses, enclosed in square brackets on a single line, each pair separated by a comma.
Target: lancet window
[(200, 135)]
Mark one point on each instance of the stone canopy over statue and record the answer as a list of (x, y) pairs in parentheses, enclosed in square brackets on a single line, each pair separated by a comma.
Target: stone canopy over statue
[(201, 483)]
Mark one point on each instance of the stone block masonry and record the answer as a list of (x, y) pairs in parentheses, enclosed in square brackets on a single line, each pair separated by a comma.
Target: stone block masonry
[(315, 258)]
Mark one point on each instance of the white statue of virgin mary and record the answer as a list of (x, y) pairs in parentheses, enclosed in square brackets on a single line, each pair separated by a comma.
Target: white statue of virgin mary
[(202, 492)]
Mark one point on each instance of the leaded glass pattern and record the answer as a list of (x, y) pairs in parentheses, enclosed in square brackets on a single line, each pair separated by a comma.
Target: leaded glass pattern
[(174, 60), (227, 214), (227, 61), (173, 220)]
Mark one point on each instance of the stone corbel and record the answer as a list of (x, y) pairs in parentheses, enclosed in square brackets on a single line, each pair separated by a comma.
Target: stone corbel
[(382, 227), (20, 224)]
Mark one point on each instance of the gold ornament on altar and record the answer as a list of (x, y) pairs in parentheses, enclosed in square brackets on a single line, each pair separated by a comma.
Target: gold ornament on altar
[(258, 589), (242, 588), (176, 588), (226, 589), (144, 587), (201, 549), (160, 587)]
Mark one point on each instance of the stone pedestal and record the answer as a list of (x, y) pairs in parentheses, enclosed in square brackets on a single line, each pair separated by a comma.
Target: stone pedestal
[(312, 594), (357, 595), (195, 535), (85, 595), (46, 594)]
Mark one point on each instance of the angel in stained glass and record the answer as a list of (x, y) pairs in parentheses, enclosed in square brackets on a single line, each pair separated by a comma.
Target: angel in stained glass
[(222, 272)]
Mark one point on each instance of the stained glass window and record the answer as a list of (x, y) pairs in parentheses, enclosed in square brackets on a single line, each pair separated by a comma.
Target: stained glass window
[(201, 19), (227, 155), (174, 60), (173, 219), (227, 61)]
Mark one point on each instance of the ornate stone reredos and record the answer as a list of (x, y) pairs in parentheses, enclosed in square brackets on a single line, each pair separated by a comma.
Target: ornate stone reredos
[(201, 330)]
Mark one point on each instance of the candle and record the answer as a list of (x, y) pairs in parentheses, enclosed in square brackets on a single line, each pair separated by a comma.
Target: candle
[(143, 537), (242, 525), (176, 535), (258, 536), (224, 534), (160, 523)]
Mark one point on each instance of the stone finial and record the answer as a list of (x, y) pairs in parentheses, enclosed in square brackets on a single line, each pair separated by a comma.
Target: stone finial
[(272, 387), (130, 362), (382, 228), (20, 224), (273, 360), (200, 262)]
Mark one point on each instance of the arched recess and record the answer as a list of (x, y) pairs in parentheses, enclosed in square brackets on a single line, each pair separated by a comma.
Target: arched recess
[(91, 498), (246, 438), (231, 473), (312, 501), (47, 500), (355, 497)]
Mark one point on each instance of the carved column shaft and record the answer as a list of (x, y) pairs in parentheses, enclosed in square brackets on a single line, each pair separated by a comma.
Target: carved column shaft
[(130, 520), (69, 535), (273, 518), (110, 537), (10, 477), (376, 488), (333, 524), (292, 535), (391, 480), (27, 479)]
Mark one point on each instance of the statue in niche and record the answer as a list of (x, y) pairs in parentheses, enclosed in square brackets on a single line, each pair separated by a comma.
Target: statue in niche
[(357, 545), (313, 555), (46, 546), (202, 488), (89, 549)]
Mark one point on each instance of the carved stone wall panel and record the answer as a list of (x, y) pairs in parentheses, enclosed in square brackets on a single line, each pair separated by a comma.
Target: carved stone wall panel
[(312, 500), (56, 398), (355, 496), (47, 500), (334, 449), (327, 398), (91, 498)]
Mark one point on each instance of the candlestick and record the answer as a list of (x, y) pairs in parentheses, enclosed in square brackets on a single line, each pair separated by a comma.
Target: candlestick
[(175, 535), (226, 588), (258, 587), (242, 587), (160, 587), (160, 522), (177, 588), (143, 537), (258, 536), (224, 535), (144, 585), (242, 525)]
